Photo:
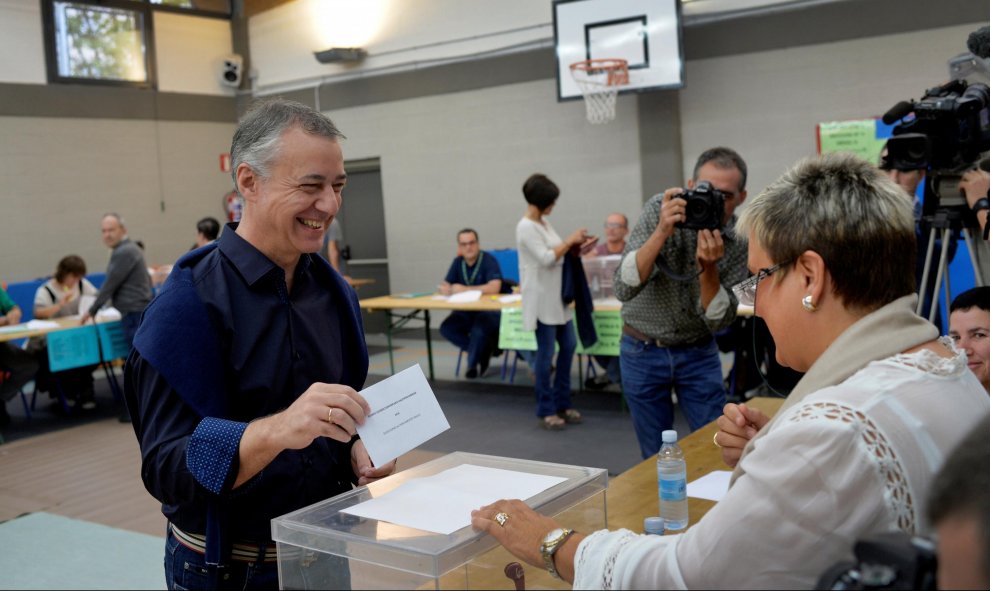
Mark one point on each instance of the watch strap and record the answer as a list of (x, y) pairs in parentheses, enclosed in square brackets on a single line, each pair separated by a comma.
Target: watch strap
[(549, 548), (981, 204)]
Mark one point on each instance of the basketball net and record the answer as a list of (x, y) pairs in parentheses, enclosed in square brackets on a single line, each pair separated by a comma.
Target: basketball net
[(599, 81)]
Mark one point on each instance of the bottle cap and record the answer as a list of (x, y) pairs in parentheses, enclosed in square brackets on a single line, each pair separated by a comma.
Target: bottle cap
[(653, 525), (669, 436)]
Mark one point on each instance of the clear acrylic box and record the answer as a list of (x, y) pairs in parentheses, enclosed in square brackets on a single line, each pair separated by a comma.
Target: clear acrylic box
[(321, 548)]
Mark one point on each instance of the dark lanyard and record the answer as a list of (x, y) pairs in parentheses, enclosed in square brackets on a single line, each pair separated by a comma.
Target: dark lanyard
[(474, 274)]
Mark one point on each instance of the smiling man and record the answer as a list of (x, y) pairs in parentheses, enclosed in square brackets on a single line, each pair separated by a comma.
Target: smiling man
[(244, 375), (969, 327)]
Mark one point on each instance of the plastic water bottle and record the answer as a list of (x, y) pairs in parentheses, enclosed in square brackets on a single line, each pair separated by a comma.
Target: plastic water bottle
[(672, 483)]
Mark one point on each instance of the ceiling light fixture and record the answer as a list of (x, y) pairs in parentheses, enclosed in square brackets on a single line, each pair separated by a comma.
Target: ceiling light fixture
[(336, 55)]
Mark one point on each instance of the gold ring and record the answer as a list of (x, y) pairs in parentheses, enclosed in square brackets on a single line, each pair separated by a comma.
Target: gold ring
[(715, 440), (330, 416), (501, 517)]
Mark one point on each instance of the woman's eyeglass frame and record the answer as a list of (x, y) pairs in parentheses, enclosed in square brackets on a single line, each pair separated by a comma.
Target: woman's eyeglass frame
[(745, 290)]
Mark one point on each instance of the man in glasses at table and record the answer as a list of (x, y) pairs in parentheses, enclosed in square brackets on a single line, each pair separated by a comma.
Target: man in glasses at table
[(474, 332), (676, 287)]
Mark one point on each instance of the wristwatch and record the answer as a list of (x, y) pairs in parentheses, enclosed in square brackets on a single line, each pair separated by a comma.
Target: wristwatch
[(551, 542), (981, 204)]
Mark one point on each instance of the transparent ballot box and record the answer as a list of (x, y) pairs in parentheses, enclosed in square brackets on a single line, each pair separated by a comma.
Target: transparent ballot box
[(599, 272), (320, 547)]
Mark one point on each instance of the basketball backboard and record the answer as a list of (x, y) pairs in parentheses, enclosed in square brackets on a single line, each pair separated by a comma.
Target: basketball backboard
[(645, 33)]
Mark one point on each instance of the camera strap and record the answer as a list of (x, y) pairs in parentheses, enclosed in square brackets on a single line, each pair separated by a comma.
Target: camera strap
[(664, 266)]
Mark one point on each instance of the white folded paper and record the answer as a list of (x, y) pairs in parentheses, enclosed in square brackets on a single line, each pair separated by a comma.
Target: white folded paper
[(404, 414), (442, 503), (471, 295)]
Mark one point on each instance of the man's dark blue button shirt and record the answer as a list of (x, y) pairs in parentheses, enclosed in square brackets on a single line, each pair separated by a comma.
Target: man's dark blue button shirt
[(274, 345)]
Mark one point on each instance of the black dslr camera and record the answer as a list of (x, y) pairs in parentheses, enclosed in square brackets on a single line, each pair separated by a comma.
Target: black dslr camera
[(705, 207), (947, 135), (885, 561)]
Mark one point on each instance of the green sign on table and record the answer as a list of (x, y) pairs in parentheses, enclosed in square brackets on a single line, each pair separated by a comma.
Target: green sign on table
[(608, 324)]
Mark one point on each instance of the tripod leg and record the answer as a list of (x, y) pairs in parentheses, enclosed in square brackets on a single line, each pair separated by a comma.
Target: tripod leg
[(943, 261), (923, 286)]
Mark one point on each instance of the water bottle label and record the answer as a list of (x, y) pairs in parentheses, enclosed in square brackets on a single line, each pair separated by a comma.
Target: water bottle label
[(673, 490)]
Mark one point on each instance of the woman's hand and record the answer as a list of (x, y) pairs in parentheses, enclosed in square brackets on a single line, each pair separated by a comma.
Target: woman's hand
[(588, 245), (577, 237), (737, 425), (523, 531)]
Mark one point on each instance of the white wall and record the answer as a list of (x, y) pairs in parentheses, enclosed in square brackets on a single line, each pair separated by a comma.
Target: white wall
[(460, 159), (766, 104), (189, 50), (283, 39), (22, 46)]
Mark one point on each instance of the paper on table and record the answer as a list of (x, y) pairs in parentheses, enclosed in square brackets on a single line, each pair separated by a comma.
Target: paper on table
[(711, 486), (509, 298), (471, 295), (442, 503), (86, 302), (404, 414), (29, 325)]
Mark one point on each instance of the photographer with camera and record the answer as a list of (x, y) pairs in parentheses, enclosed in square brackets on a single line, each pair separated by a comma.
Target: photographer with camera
[(675, 282)]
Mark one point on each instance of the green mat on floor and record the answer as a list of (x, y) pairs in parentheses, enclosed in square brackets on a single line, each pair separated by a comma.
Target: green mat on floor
[(45, 551)]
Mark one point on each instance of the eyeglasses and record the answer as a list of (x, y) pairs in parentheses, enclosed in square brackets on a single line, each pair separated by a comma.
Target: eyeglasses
[(613, 225), (746, 290), (471, 243)]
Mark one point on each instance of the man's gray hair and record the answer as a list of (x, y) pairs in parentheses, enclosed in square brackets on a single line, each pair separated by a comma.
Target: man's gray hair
[(115, 216), (851, 214), (259, 133)]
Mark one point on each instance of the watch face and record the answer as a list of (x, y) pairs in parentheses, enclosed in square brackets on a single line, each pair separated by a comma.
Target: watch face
[(553, 535)]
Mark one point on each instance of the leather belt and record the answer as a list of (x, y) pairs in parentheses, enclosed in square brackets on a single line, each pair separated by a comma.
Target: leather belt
[(639, 336)]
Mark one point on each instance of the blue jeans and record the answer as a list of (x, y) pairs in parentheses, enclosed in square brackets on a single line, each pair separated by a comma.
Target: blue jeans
[(475, 332), (551, 400), (186, 569), (648, 374)]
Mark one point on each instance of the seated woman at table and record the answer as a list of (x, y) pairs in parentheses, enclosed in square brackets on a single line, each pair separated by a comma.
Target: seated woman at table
[(854, 449), (57, 298)]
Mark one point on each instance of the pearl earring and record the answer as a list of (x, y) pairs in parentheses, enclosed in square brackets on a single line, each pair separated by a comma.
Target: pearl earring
[(808, 305)]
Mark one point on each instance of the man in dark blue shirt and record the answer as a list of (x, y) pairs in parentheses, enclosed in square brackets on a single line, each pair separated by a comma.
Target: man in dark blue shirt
[(475, 332), (243, 377)]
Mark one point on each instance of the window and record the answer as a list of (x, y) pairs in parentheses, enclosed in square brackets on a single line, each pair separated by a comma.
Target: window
[(100, 43), (110, 42)]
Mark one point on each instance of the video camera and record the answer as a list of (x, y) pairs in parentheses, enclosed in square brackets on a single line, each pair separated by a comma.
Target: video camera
[(885, 561), (947, 132), (705, 207)]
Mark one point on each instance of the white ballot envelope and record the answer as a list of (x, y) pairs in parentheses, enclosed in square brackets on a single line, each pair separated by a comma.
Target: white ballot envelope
[(404, 414)]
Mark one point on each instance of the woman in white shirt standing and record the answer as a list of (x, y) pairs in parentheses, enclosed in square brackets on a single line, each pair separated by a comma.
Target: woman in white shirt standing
[(541, 260), (854, 449)]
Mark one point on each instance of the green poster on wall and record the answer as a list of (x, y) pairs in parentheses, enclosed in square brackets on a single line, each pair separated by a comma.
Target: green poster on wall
[(858, 137)]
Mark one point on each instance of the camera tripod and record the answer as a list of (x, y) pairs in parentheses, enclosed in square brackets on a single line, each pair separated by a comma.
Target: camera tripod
[(948, 222)]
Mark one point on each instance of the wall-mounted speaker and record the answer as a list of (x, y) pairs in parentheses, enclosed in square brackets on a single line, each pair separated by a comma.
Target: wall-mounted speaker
[(231, 70)]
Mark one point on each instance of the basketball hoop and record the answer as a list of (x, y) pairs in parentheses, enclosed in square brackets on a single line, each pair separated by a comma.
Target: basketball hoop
[(599, 81)]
